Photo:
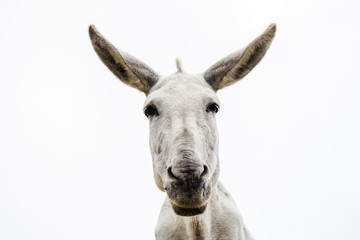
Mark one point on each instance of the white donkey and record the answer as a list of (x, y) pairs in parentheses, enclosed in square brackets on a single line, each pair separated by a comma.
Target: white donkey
[(181, 110)]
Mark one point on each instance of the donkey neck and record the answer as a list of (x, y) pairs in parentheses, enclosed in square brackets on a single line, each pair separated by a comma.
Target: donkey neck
[(197, 227)]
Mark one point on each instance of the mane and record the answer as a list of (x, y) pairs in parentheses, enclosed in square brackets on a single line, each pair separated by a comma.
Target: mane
[(178, 65)]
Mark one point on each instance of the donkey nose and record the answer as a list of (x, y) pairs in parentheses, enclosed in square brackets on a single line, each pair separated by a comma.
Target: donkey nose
[(189, 171)]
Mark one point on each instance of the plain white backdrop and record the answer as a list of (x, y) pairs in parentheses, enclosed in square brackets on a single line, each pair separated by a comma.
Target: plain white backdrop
[(74, 157)]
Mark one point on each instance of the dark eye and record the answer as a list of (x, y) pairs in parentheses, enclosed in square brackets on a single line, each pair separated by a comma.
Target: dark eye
[(212, 107), (151, 111)]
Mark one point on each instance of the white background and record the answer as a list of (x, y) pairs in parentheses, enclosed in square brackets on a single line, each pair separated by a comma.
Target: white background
[(74, 157)]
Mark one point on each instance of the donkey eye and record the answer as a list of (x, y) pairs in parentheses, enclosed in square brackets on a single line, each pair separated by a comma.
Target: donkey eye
[(212, 107), (151, 111)]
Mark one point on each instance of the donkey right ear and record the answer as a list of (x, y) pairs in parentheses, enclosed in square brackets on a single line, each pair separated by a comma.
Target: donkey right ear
[(127, 68), (234, 67)]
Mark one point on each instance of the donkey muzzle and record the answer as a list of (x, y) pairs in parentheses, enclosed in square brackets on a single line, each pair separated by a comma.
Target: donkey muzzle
[(188, 188)]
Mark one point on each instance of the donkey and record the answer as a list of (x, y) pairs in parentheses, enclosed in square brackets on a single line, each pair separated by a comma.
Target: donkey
[(181, 109)]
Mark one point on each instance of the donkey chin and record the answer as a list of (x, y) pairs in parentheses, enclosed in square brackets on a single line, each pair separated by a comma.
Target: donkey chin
[(188, 197)]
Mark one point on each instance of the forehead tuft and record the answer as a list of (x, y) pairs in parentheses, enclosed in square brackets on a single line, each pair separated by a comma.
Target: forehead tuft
[(178, 66)]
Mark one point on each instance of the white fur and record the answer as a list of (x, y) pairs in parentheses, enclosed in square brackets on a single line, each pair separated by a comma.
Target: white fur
[(181, 100)]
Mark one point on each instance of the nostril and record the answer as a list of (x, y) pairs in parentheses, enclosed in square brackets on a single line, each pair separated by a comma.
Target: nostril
[(205, 173), (171, 174)]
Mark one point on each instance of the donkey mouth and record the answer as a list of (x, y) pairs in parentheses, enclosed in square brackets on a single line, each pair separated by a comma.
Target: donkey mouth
[(187, 212), (189, 201)]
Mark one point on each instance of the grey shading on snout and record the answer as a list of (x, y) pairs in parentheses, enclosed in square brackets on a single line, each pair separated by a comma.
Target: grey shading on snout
[(184, 140)]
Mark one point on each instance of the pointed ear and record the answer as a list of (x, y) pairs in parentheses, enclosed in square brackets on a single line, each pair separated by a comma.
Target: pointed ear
[(127, 68), (235, 66)]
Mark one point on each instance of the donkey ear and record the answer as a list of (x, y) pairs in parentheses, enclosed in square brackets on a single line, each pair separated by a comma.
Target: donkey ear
[(235, 66), (127, 68)]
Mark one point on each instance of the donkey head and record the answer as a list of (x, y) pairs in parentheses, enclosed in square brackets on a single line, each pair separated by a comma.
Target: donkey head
[(181, 109)]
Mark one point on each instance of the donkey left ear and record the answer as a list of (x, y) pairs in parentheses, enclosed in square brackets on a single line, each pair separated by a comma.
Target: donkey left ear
[(235, 66)]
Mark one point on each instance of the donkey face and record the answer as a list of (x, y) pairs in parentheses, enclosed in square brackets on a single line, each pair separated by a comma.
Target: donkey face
[(181, 109), (183, 139)]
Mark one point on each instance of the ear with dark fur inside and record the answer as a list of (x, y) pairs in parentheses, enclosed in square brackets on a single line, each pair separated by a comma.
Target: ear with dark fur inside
[(127, 68), (235, 66)]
